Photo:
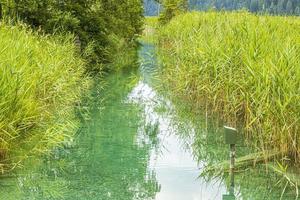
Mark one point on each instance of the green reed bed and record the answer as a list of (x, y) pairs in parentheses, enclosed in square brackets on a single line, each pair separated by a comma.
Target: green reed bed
[(150, 26), (242, 67), (41, 80)]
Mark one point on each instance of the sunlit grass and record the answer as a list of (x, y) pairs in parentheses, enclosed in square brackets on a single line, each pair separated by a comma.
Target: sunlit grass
[(242, 67), (42, 78), (150, 26)]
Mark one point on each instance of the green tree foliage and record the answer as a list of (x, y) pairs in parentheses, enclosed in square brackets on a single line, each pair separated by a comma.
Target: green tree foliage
[(297, 11), (254, 5), (289, 7), (123, 17), (282, 7), (92, 21), (171, 8)]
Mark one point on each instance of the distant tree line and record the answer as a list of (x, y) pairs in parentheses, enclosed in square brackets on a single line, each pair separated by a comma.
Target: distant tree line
[(289, 7), (92, 21), (277, 7), (171, 8)]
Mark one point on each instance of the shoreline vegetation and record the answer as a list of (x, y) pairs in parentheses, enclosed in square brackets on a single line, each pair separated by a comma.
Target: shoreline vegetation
[(51, 53), (242, 67), (42, 78)]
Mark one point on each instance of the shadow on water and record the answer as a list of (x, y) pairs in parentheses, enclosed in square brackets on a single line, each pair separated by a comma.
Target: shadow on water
[(138, 145)]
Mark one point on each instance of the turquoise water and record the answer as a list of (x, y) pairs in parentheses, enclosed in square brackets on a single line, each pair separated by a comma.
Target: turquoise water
[(137, 145)]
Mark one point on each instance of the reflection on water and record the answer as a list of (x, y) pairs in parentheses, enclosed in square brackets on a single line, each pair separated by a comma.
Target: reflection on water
[(137, 146), (104, 163), (176, 170)]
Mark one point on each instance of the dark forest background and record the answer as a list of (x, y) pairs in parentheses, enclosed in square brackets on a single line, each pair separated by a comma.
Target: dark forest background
[(276, 7)]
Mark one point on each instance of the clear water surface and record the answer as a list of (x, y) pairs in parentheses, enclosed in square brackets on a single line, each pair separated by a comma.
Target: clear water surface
[(136, 146)]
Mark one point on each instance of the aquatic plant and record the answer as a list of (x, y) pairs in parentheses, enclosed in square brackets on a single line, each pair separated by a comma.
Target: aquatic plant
[(41, 81), (242, 67)]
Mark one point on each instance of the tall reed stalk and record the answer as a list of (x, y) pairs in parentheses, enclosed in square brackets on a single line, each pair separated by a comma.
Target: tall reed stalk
[(41, 79), (244, 67)]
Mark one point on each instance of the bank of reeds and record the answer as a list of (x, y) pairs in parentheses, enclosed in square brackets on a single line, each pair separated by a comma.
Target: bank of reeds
[(41, 80), (241, 67)]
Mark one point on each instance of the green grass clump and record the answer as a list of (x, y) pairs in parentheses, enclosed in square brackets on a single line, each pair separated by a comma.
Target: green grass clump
[(243, 67), (150, 26), (41, 79)]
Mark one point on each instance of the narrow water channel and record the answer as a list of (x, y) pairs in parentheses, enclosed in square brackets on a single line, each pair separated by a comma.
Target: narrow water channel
[(136, 146)]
